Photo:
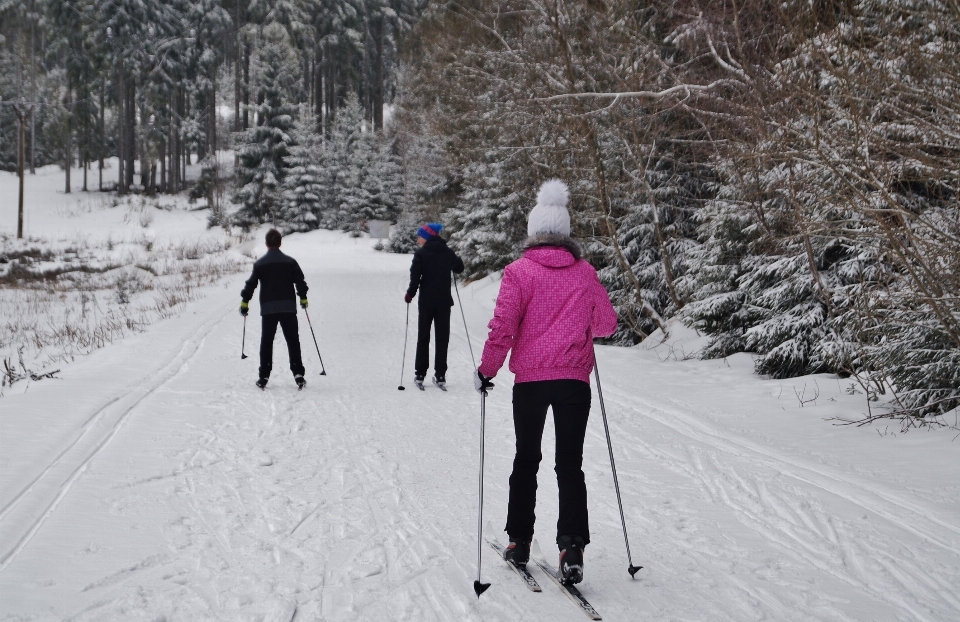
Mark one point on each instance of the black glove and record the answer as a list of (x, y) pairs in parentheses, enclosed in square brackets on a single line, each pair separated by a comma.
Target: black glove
[(244, 308), (482, 383), (407, 298)]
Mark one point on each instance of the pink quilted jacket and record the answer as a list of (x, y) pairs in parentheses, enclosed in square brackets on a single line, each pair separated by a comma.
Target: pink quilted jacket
[(550, 307)]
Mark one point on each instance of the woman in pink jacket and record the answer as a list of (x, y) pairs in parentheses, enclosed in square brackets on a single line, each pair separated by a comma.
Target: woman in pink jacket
[(550, 307)]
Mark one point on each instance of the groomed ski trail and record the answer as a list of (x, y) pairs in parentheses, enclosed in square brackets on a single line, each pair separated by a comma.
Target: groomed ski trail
[(351, 500)]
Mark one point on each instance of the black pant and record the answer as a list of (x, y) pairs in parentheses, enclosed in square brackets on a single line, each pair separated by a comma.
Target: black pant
[(288, 323), (438, 315), (570, 400)]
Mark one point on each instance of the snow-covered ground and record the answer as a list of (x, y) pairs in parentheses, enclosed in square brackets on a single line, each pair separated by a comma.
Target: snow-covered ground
[(93, 267), (153, 481)]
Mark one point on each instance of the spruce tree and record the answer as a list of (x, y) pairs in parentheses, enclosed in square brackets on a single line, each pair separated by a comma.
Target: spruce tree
[(303, 189), (489, 219), (262, 149)]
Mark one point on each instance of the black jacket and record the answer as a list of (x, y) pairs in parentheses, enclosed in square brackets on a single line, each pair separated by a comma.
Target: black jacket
[(278, 274), (430, 272)]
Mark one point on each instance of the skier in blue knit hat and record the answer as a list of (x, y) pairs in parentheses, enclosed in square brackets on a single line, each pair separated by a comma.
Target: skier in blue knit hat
[(430, 273)]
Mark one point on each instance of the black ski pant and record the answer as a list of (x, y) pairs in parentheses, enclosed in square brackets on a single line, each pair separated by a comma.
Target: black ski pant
[(288, 323), (570, 400), (439, 316)]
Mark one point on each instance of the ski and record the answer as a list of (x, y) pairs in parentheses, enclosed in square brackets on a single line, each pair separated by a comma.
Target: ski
[(572, 592), (419, 384), (441, 385), (523, 573)]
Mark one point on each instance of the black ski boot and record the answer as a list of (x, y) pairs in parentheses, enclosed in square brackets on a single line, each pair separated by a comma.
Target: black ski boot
[(418, 380), (518, 553), (441, 382), (301, 382), (261, 383), (571, 559)]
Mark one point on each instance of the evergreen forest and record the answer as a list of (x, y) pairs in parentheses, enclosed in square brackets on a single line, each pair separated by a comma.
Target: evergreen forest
[(783, 176)]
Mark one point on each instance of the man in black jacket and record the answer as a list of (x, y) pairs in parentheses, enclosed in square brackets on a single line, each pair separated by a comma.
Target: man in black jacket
[(430, 272), (282, 283)]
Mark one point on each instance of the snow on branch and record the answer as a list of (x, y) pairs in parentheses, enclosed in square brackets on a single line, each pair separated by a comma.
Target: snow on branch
[(680, 88)]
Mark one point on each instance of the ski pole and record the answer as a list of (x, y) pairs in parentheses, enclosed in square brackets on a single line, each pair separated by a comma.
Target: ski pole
[(323, 372), (479, 587), (467, 332), (406, 332), (243, 344), (613, 467)]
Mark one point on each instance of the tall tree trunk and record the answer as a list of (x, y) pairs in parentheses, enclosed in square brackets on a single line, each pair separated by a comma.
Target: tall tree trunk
[(318, 88), (144, 155), (186, 144), (162, 152), (204, 110), (68, 141), (33, 95), (121, 142), (236, 70), (377, 77), (84, 155), (130, 150), (331, 89), (306, 75), (101, 144), (175, 143), (212, 137), (246, 85)]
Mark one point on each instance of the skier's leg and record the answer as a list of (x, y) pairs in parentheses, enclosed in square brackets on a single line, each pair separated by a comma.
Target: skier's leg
[(425, 319), (291, 333), (529, 413), (441, 320), (571, 409), (267, 333)]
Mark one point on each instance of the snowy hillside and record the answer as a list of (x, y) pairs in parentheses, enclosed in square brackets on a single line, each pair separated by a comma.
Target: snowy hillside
[(152, 481)]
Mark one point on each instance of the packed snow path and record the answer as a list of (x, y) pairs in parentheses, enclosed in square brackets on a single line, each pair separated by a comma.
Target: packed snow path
[(156, 482)]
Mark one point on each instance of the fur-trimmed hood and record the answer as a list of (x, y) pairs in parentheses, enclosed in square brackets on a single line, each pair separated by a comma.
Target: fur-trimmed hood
[(554, 239)]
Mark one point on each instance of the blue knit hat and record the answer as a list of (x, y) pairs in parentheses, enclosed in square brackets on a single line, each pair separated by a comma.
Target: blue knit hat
[(429, 230)]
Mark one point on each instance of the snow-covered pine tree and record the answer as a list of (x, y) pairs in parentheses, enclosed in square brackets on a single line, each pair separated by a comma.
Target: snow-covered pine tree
[(781, 262), (380, 179), (428, 183), (338, 173), (654, 191), (360, 175), (826, 248), (141, 42), (905, 86), (489, 219), (353, 196), (262, 148), (403, 235), (208, 24), (303, 188)]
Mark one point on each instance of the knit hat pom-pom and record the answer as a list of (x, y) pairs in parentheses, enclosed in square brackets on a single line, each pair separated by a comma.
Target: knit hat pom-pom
[(553, 192)]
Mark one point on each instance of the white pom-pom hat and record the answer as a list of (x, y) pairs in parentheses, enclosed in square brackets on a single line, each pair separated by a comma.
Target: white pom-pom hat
[(550, 214)]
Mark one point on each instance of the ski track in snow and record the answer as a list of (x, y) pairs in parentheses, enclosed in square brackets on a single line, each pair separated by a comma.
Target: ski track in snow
[(55, 481), (195, 496), (772, 495)]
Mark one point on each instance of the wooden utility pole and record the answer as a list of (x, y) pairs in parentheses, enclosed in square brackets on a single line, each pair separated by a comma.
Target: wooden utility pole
[(24, 111)]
